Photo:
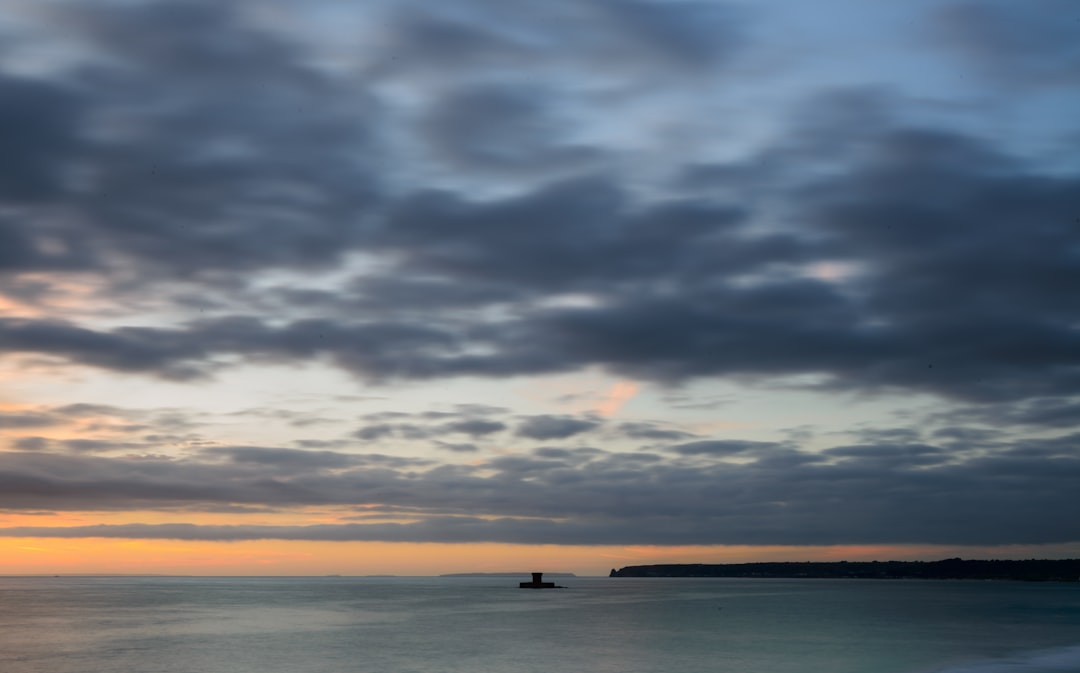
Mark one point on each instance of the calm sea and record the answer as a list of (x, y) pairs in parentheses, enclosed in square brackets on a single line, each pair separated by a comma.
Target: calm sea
[(488, 625)]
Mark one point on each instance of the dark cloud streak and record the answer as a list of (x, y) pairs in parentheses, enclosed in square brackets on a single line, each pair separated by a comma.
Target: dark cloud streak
[(850, 494)]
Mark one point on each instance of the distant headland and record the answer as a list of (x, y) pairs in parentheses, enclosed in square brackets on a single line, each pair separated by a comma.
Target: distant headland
[(1034, 570)]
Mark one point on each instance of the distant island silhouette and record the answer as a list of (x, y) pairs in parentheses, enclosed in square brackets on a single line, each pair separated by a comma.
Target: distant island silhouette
[(1033, 570)]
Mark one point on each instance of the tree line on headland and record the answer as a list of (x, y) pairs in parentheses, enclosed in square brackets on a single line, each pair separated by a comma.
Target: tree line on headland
[(1032, 570)]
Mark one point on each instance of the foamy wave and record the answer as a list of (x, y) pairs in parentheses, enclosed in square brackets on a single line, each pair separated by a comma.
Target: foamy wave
[(1061, 660)]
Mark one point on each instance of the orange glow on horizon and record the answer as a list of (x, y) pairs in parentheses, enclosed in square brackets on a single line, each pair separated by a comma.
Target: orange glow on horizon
[(277, 557)]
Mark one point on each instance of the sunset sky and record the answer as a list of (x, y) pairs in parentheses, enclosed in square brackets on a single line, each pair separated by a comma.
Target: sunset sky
[(404, 287)]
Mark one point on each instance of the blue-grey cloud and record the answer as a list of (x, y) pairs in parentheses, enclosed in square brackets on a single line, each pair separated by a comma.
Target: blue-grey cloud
[(44, 122), (26, 420), (722, 447), (474, 427), (502, 128), (597, 37), (1031, 44), (554, 427), (958, 250), (860, 494), (652, 431)]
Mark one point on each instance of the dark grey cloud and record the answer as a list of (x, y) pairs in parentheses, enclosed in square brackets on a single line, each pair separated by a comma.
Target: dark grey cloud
[(18, 419), (457, 447), (526, 467), (376, 431), (723, 447), (467, 419), (697, 35), (1028, 44), (570, 455), (42, 122), (546, 427), (958, 285), (503, 128), (421, 40), (83, 409), (908, 455), (21, 250), (1058, 413), (190, 141), (473, 409), (967, 434), (286, 458), (603, 38), (474, 427), (256, 476), (871, 493), (652, 431), (163, 352), (887, 435), (1064, 446), (30, 443), (298, 419), (97, 425), (142, 447), (377, 349), (246, 157), (579, 234), (957, 253), (97, 445), (411, 296), (1049, 412)]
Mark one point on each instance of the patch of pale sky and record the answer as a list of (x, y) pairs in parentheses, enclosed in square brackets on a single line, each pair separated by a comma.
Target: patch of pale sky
[(833, 272), (569, 300)]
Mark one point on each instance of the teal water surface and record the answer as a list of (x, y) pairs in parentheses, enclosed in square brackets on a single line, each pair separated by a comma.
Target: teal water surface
[(488, 625)]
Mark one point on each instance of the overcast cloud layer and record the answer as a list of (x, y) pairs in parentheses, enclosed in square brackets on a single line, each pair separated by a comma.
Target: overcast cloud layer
[(669, 193)]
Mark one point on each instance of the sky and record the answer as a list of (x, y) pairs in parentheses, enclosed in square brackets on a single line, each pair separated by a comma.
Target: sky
[(402, 287)]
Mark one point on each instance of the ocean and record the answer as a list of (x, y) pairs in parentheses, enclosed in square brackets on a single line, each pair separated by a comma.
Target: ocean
[(488, 625)]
